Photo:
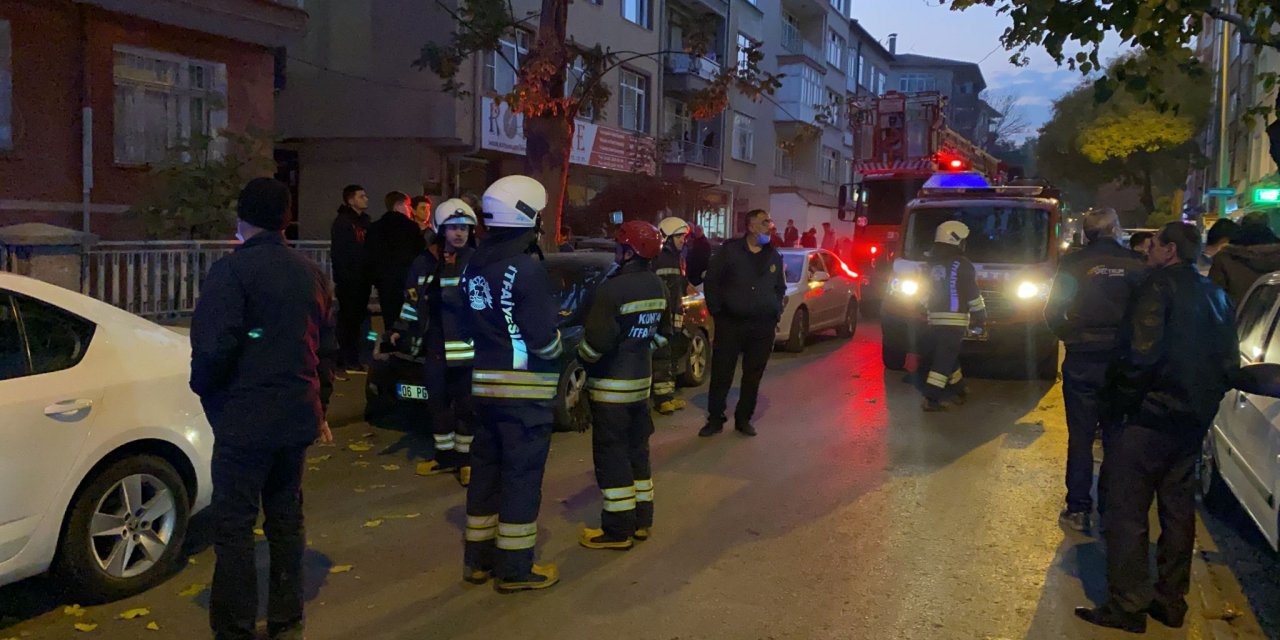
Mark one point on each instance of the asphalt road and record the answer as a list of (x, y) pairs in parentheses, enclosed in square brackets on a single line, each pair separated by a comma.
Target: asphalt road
[(852, 515)]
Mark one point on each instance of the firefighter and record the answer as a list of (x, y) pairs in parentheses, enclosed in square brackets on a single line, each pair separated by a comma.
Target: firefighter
[(955, 308), (512, 322), (628, 318), (669, 265), (433, 313)]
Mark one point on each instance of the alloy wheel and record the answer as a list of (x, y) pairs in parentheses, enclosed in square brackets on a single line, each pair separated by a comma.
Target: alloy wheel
[(132, 526)]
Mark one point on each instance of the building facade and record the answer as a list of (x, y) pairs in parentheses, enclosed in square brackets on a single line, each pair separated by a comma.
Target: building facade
[(960, 83), (148, 73)]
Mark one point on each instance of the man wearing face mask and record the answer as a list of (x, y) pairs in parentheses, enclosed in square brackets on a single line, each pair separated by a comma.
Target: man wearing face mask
[(744, 289)]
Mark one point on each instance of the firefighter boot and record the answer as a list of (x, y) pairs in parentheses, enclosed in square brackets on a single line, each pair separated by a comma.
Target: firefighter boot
[(540, 577), (641, 534), (679, 404), (433, 468), (934, 406), (464, 475), (596, 539), (476, 576), (667, 407)]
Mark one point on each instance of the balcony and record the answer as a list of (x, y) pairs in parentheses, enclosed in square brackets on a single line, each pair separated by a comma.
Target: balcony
[(794, 44), (269, 24), (687, 73), (796, 111), (692, 162)]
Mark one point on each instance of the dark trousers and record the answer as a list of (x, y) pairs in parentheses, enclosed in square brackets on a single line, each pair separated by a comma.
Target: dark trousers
[(353, 305), (452, 412), (620, 449), (243, 480), (1144, 464), (944, 380), (750, 339), (508, 458), (1084, 391), (390, 300)]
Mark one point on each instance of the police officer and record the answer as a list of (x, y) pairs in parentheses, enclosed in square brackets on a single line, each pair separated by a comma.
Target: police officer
[(517, 350), (624, 324), (433, 316), (669, 265), (262, 354), (1091, 294), (955, 307)]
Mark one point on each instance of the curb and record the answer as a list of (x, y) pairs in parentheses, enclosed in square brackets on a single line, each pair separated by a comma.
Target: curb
[(1223, 604)]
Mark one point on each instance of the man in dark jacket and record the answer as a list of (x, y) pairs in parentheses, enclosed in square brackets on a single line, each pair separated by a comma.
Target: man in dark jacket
[(1183, 353), (262, 344), (792, 235), (393, 243), (697, 256), (744, 290), (1218, 238), (1254, 251), (346, 253), (1091, 294)]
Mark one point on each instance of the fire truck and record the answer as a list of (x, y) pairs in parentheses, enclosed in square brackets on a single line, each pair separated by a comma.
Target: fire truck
[(909, 142)]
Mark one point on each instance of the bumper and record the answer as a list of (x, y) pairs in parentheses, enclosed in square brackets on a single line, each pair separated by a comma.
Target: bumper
[(905, 328)]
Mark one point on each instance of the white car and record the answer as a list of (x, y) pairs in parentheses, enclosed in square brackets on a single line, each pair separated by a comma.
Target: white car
[(1242, 449), (104, 450), (821, 294)]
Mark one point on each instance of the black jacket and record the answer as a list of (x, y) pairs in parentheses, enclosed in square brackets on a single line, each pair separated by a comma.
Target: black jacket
[(346, 250), (1236, 268), (436, 309), (513, 322), (627, 320), (392, 244), (262, 343), (1183, 352), (669, 265), (953, 298), (699, 256), (1091, 295), (746, 285)]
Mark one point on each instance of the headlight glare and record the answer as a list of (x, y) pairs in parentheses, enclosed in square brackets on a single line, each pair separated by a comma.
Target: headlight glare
[(1028, 290)]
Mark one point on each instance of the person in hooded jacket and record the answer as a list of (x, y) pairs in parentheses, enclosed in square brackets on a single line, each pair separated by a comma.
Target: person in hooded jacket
[(1254, 251), (431, 325), (955, 307), (669, 265), (628, 318), (514, 326), (391, 246), (350, 278)]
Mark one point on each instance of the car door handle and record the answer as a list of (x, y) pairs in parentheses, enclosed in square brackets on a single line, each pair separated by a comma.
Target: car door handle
[(67, 407)]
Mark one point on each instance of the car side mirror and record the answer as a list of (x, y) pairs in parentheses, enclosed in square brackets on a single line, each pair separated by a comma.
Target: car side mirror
[(1259, 379), (821, 276)]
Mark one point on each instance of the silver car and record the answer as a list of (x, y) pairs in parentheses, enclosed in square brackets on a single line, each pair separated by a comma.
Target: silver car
[(821, 295)]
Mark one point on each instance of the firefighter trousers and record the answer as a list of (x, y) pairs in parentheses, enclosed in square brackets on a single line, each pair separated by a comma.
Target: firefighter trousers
[(664, 372), (945, 380), (620, 449), (452, 413), (508, 458)]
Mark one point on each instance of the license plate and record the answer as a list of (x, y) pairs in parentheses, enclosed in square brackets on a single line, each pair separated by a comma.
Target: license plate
[(411, 391)]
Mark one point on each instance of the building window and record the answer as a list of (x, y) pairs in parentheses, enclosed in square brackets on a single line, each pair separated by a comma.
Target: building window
[(633, 99), (744, 137), (502, 66), (881, 81), (831, 165), (835, 50), (834, 107), (804, 87), (744, 43), (637, 11), (575, 74), (855, 61), (162, 100), (784, 163), (916, 82), (838, 5), (6, 87)]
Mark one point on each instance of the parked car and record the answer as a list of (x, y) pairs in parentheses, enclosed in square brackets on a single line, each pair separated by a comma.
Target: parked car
[(1241, 453), (104, 450), (396, 380), (821, 295)]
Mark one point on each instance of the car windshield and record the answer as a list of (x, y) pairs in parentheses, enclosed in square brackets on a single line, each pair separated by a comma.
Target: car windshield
[(572, 282), (1001, 235), (793, 266)]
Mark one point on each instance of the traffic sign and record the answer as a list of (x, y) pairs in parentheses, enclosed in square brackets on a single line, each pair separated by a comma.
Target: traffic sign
[(1224, 192), (1267, 194)]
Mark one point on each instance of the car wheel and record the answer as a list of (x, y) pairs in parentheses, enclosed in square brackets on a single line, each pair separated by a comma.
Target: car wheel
[(799, 331), (695, 373), (850, 324), (125, 530), (894, 356), (1209, 479), (571, 410)]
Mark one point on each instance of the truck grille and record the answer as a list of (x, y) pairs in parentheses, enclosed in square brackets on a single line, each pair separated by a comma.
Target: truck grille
[(999, 306)]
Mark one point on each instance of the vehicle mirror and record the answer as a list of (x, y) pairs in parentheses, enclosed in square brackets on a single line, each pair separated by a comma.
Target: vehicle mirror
[(821, 276), (1260, 379)]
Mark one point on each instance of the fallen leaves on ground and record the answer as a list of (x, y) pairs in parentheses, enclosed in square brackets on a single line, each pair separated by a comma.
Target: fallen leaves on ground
[(74, 610), (192, 590), (390, 467), (407, 516), (134, 613), (377, 486), (360, 447), (318, 459), (372, 523), (257, 531), (341, 568), (86, 627), (360, 463), (152, 626)]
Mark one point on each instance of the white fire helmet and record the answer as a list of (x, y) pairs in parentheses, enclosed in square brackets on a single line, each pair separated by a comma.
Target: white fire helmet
[(951, 232), (454, 211), (513, 202), (672, 226)]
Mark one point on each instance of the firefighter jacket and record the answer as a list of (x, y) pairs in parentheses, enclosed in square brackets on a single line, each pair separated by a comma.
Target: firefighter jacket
[(623, 327), (1183, 353), (1091, 294), (512, 320), (669, 265), (435, 310), (953, 296)]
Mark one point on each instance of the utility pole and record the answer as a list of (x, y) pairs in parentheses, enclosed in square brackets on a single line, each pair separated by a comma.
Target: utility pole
[(1224, 167)]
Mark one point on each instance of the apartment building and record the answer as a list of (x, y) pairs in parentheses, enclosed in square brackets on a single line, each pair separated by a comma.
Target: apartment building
[(148, 73), (960, 82), (869, 65)]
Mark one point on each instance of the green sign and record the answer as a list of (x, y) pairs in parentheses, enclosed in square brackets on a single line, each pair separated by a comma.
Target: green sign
[(1267, 194), (1225, 192)]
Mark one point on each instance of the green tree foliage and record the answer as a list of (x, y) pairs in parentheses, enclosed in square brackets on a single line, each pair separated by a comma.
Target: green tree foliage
[(1124, 140), (192, 195)]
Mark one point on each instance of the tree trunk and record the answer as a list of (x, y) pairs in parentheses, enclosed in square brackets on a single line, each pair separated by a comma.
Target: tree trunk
[(1273, 133), (1148, 197), (548, 135)]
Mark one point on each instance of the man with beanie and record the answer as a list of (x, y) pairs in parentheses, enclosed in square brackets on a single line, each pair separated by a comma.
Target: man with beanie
[(262, 348)]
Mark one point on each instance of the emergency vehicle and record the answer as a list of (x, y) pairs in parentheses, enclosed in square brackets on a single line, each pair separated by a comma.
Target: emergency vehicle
[(910, 142), (1015, 239)]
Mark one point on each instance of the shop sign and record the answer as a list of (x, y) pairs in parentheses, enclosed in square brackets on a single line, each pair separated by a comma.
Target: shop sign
[(593, 145)]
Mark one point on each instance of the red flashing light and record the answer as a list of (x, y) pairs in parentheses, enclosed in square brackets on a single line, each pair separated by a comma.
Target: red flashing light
[(956, 164), (874, 249)]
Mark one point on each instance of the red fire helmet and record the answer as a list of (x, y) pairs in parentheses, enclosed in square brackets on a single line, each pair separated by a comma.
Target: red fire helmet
[(642, 237)]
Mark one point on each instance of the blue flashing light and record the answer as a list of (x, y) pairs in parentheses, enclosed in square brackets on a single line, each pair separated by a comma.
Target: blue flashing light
[(960, 180)]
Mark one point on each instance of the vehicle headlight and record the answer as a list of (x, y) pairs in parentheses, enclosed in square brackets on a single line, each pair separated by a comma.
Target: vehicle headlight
[(907, 287), (1028, 290)]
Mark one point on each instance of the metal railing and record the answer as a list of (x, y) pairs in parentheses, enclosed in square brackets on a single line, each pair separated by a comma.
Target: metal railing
[(700, 66), (794, 43), (163, 278), (694, 153)]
